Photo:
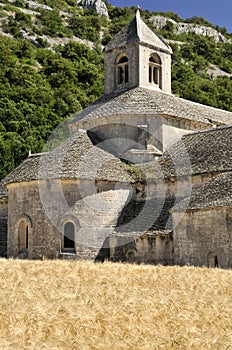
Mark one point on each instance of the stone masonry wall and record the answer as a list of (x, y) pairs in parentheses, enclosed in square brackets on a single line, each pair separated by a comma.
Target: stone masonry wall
[(201, 233), (152, 249), (132, 52), (144, 55), (159, 130), (138, 63), (3, 226), (45, 233)]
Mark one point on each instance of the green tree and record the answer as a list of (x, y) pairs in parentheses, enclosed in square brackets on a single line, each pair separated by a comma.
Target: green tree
[(86, 27), (51, 22)]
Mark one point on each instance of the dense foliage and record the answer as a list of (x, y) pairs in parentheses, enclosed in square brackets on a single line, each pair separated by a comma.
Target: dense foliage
[(38, 89), (42, 84)]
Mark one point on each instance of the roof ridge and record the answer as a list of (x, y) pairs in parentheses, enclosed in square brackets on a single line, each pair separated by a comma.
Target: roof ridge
[(138, 19), (163, 103), (137, 31), (206, 131), (211, 194)]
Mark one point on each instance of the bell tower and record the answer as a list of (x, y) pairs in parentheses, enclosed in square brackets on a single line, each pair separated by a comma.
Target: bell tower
[(137, 57)]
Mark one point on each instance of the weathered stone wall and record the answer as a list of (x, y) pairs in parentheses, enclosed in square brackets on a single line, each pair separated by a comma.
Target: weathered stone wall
[(144, 55), (119, 137), (25, 206), (138, 63), (151, 249), (202, 233), (132, 52), (176, 188), (159, 130), (94, 210), (3, 226)]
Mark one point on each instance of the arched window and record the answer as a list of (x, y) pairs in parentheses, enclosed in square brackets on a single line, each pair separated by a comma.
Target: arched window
[(131, 256), (122, 70), (155, 70), (69, 236), (23, 235)]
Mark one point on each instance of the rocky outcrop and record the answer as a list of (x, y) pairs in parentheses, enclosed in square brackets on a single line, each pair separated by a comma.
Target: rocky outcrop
[(97, 5), (35, 6), (179, 27), (215, 72)]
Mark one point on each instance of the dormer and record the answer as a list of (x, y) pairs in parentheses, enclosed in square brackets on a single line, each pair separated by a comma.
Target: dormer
[(137, 57)]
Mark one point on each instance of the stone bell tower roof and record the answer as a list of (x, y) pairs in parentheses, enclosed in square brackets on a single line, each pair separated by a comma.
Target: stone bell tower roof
[(137, 57), (137, 31)]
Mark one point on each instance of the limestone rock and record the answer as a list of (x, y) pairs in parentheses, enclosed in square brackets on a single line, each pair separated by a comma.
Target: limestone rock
[(35, 6), (160, 21), (97, 5), (215, 72)]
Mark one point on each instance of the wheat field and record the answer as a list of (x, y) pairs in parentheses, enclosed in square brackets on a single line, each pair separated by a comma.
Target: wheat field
[(81, 305)]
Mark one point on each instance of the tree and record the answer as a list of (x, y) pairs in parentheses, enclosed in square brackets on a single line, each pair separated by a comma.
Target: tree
[(51, 22)]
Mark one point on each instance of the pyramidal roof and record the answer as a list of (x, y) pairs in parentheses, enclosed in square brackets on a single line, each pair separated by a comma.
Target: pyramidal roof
[(137, 31), (75, 158), (216, 192)]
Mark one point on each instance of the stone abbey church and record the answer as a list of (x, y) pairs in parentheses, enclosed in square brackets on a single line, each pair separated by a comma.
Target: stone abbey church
[(143, 177)]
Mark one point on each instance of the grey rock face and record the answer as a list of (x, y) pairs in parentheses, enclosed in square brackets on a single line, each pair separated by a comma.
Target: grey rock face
[(160, 21), (35, 6), (97, 5)]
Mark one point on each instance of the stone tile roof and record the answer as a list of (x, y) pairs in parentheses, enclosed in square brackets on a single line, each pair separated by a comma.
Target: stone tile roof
[(3, 191), (217, 192), (142, 101), (76, 158), (207, 151), (137, 31), (142, 217)]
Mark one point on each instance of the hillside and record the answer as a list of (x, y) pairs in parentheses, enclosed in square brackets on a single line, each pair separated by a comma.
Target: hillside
[(51, 65), (81, 305)]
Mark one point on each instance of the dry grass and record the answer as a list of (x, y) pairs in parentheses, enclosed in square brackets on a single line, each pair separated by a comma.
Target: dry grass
[(78, 305)]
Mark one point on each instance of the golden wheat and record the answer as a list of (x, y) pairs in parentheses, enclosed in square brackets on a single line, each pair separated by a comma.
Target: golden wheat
[(81, 305)]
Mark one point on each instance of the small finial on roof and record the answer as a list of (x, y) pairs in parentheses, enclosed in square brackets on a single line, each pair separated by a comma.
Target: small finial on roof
[(137, 11)]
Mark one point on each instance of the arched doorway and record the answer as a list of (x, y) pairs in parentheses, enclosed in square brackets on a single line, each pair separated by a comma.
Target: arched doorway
[(23, 232), (212, 260), (131, 256)]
